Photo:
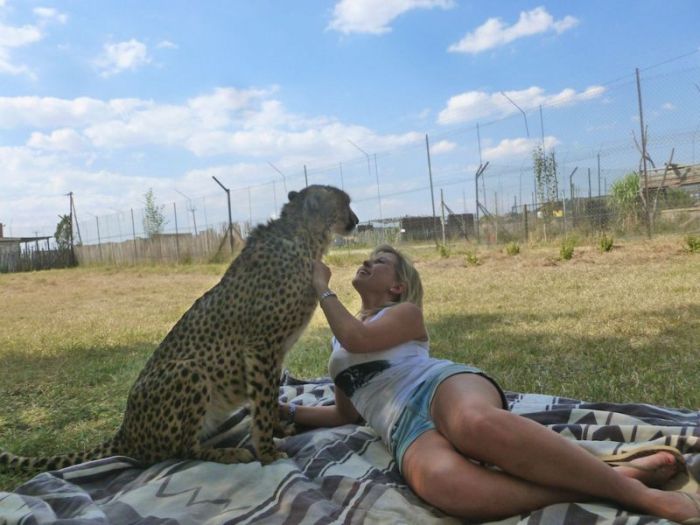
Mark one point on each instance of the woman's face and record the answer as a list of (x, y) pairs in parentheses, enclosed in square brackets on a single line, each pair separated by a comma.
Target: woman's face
[(377, 274)]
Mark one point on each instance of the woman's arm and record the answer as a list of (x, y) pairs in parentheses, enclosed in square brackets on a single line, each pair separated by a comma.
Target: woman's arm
[(336, 415), (402, 323)]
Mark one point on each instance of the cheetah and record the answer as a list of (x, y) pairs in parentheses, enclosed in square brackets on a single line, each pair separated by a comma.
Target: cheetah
[(226, 351)]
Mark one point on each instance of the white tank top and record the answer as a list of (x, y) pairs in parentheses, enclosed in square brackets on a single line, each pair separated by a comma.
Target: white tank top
[(379, 384)]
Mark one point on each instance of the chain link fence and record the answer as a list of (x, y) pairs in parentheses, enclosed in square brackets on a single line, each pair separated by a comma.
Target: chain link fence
[(477, 181)]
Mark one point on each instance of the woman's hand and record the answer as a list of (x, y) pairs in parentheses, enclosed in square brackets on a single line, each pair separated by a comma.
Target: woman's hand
[(321, 277)]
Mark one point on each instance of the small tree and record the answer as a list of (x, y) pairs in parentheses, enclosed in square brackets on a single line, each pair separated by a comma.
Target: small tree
[(545, 168), (63, 232), (153, 218), (626, 199)]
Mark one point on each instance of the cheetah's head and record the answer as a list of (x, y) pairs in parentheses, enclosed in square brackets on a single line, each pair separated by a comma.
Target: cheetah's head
[(325, 208)]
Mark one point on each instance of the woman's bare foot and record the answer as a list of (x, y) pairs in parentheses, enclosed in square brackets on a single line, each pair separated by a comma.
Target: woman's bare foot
[(653, 470)]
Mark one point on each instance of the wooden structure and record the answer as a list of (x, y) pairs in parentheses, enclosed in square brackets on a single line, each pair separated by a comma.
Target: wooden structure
[(678, 176)]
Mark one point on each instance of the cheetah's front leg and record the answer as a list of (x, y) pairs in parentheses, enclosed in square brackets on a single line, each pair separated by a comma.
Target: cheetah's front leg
[(262, 384)]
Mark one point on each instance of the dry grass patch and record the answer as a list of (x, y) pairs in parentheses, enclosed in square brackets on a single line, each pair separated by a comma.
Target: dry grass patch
[(619, 326)]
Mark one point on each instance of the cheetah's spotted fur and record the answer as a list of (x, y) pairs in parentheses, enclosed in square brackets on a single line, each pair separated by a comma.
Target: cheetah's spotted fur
[(228, 347)]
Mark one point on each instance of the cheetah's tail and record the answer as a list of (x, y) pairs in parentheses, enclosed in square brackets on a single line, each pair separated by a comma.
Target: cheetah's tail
[(23, 463)]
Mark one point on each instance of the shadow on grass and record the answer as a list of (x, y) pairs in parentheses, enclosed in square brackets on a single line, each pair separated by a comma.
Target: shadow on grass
[(64, 401), (593, 363), (661, 368), (78, 364), (75, 392)]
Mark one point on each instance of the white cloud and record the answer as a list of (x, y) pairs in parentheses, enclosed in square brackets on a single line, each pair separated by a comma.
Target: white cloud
[(516, 147), (35, 183), (476, 105), (374, 16), (18, 36), (495, 33), (226, 121), (64, 139), (122, 56), (166, 44), (444, 146), (49, 14), (15, 37), (668, 106), (51, 112)]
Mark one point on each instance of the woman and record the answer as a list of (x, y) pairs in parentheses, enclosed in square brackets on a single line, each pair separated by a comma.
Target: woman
[(443, 421)]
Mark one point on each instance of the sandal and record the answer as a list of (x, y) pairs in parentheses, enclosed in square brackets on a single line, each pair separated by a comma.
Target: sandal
[(625, 459)]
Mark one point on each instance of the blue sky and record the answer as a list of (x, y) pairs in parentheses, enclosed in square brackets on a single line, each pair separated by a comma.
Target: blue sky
[(109, 99)]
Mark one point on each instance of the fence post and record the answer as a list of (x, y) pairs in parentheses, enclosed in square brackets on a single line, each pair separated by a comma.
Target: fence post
[(527, 233), (432, 195), (573, 205), (99, 241), (442, 216), (133, 233), (495, 198), (563, 201), (230, 222), (644, 154), (177, 235)]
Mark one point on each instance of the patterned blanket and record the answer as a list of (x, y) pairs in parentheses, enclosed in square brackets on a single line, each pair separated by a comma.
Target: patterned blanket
[(339, 475)]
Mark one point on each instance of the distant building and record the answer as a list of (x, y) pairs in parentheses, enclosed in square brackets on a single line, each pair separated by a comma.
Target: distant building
[(13, 258), (677, 176), (425, 228)]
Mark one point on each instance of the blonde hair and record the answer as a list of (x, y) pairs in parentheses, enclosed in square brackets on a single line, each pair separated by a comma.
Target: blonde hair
[(406, 274)]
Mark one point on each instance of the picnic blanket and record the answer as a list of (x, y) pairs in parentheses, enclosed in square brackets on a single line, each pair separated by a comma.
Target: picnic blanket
[(338, 475)]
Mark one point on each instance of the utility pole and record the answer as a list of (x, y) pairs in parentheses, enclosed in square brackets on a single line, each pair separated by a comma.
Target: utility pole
[(74, 220), (70, 231), (432, 195), (228, 200), (644, 155), (573, 206), (306, 177), (598, 174)]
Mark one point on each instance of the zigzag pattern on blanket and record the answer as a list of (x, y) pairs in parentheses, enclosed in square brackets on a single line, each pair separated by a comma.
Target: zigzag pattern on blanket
[(333, 475)]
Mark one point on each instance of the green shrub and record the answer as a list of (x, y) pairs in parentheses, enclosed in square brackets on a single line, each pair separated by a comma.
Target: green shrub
[(605, 243), (566, 250), (472, 259), (512, 248), (444, 251), (692, 244)]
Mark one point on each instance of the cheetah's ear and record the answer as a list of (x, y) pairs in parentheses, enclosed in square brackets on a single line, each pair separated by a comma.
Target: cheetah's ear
[(292, 195)]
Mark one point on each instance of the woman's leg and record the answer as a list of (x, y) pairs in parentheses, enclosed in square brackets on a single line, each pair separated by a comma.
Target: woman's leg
[(447, 480), (540, 467)]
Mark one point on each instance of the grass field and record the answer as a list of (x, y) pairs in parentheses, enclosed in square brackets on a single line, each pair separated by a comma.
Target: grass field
[(622, 326)]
